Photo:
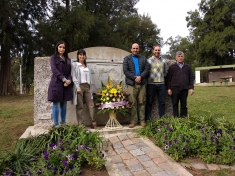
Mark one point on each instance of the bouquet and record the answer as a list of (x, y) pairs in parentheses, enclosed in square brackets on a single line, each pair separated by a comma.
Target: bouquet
[(112, 97)]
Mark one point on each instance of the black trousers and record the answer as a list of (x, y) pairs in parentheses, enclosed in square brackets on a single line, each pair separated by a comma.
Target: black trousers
[(179, 96)]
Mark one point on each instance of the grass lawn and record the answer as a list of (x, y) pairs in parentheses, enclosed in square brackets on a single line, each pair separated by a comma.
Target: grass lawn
[(16, 114)]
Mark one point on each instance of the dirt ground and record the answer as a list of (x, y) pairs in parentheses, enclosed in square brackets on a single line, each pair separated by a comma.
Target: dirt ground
[(91, 171)]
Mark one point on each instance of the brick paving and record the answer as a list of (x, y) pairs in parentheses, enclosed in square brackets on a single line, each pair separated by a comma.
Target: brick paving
[(133, 157)]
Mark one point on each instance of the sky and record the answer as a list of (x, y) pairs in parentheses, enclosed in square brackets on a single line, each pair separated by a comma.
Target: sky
[(168, 15)]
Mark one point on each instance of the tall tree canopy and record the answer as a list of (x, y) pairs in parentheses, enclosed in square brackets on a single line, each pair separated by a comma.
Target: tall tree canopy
[(32, 28), (212, 30), (17, 19)]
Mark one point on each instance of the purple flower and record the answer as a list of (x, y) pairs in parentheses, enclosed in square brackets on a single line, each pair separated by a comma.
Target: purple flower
[(159, 130), (59, 155), (66, 169), (64, 162), (212, 138), (60, 141), (77, 148), (233, 139), (219, 131), (167, 124), (203, 127), (162, 124), (187, 140), (233, 148), (184, 149), (170, 143), (55, 169), (8, 173), (46, 154), (166, 147), (166, 137), (53, 146), (62, 147), (80, 173), (102, 155), (82, 146), (170, 129), (175, 141), (75, 156), (217, 141), (39, 172)]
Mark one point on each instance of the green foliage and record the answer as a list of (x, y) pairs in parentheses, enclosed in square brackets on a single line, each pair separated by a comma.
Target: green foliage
[(211, 139), (62, 151), (212, 30)]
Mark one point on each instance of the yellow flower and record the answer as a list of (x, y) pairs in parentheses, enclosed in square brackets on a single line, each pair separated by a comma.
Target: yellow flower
[(107, 98), (113, 91)]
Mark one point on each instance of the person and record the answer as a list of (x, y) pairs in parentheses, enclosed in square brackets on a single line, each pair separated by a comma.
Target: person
[(82, 89), (136, 70), (156, 82), (60, 89), (180, 80)]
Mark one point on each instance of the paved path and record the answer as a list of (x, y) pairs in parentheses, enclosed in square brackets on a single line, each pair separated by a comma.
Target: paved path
[(129, 154)]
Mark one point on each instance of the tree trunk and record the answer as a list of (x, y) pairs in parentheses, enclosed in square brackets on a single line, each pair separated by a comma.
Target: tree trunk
[(6, 86)]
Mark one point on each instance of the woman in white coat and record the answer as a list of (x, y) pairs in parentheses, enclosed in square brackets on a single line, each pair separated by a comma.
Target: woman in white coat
[(82, 88)]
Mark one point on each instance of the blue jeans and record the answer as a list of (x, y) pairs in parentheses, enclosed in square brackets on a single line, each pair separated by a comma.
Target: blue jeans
[(56, 108), (152, 90)]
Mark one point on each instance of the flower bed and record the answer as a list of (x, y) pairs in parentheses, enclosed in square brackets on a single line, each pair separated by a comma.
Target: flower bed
[(209, 138), (61, 152)]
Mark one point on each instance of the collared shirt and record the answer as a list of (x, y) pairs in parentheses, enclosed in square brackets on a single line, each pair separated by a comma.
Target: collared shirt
[(180, 64)]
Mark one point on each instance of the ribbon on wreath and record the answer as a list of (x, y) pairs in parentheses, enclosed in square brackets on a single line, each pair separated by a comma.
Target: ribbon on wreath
[(113, 104)]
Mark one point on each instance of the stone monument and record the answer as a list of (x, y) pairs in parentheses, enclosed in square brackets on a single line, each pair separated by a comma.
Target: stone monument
[(104, 62)]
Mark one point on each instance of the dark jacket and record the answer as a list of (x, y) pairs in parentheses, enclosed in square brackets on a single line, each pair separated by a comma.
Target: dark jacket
[(56, 91), (129, 69), (180, 78)]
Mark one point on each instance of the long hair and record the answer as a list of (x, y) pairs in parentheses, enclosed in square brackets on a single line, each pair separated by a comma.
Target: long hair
[(83, 52), (66, 50)]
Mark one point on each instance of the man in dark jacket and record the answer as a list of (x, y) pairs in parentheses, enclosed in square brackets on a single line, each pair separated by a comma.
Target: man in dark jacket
[(180, 79), (136, 70)]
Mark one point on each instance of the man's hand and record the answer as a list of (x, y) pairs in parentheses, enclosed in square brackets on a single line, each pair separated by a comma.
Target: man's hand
[(138, 79), (191, 91), (169, 92), (79, 91)]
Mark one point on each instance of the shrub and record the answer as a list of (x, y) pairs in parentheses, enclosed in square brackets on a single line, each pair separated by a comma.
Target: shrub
[(211, 139)]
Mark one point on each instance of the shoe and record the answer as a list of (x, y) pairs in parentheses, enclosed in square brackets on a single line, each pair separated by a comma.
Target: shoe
[(93, 126), (143, 124), (132, 125)]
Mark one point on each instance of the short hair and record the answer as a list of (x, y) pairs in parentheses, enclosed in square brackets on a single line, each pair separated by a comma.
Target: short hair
[(154, 46), (179, 53)]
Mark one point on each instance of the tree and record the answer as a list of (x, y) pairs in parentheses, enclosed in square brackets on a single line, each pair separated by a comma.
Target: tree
[(212, 30), (17, 19)]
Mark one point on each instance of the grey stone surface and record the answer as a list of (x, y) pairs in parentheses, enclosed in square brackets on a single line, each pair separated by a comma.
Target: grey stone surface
[(131, 147), (198, 166), (121, 166), (140, 144), (121, 150), (153, 170), (161, 173), (146, 149), (117, 145), (148, 164), (135, 167), (172, 173), (125, 173), (143, 158), (116, 159), (213, 167), (123, 137), (137, 152)]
